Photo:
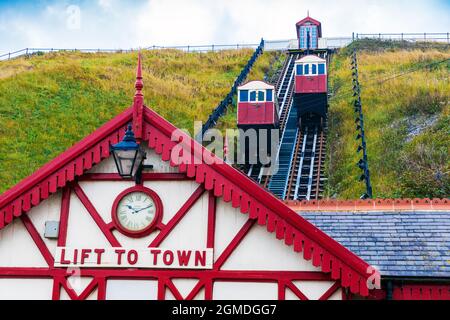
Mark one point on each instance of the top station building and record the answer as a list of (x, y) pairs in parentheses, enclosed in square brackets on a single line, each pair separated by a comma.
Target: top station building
[(309, 30)]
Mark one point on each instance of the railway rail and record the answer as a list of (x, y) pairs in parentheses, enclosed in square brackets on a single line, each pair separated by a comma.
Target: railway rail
[(301, 154)]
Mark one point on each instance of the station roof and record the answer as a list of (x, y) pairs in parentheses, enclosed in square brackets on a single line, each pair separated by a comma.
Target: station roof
[(399, 243)]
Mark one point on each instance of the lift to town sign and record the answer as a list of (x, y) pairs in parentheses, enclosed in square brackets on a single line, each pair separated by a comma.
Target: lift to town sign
[(147, 258)]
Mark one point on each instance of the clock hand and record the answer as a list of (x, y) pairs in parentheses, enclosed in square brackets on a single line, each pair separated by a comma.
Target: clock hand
[(144, 208), (131, 208)]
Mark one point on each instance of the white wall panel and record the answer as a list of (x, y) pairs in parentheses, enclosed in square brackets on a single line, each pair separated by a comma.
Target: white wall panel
[(191, 232), (131, 290), (185, 286), (245, 291), (260, 250), (47, 210), (228, 223), (82, 230), (26, 289), (17, 248), (313, 290), (103, 193), (173, 194)]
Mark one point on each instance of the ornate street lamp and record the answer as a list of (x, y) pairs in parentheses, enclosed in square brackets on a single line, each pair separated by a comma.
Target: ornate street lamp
[(129, 157)]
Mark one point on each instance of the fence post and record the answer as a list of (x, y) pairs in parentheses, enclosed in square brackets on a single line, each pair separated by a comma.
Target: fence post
[(353, 36), (9, 55), (212, 48), (425, 36), (448, 37), (402, 36)]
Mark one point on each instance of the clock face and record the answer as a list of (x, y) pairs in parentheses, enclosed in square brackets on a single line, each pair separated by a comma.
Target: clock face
[(136, 211)]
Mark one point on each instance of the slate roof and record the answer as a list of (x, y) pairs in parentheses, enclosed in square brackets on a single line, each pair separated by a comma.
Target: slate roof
[(401, 244)]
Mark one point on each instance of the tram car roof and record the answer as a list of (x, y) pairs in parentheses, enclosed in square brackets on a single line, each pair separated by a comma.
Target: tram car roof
[(256, 85), (310, 58)]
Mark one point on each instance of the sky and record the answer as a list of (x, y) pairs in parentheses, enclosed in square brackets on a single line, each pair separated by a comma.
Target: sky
[(113, 24)]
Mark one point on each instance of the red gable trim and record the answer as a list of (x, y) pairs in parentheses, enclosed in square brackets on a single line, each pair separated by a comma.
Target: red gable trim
[(219, 178), (311, 20), (308, 19)]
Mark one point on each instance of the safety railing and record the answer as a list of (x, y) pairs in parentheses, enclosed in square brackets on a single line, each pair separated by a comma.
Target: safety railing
[(269, 45), (220, 110), (363, 163), (413, 37)]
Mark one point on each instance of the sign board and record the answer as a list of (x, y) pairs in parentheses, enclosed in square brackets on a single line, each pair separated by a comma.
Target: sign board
[(147, 258)]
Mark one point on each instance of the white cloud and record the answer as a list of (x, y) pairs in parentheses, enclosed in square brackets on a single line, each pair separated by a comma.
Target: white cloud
[(124, 24), (105, 4)]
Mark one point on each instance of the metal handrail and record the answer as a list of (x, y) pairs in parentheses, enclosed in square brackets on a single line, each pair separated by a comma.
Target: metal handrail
[(219, 111)]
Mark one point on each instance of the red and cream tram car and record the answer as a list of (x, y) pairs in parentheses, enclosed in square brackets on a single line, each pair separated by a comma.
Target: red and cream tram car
[(257, 117), (311, 86), (257, 106)]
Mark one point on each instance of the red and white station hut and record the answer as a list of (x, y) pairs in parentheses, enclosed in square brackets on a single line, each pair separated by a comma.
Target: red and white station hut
[(195, 228)]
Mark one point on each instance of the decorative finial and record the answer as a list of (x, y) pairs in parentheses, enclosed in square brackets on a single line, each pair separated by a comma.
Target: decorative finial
[(139, 83), (138, 104), (308, 13)]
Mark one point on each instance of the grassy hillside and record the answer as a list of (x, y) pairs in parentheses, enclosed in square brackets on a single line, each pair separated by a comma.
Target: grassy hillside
[(49, 102), (407, 121)]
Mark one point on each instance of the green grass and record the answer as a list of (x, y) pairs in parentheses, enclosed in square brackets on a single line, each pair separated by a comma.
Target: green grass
[(49, 102), (406, 122)]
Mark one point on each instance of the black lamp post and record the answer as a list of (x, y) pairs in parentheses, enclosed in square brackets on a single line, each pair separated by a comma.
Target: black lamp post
[(129, 157)]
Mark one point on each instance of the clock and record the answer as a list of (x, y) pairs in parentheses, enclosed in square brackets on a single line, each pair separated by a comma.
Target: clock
[(137, 212)]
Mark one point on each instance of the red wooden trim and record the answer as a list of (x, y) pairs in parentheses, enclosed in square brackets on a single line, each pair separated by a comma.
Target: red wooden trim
[(96, 216), (233, 244), (209, 287), (177, 218), (145, 177), (162, 288), (212, 206), (196, 290), (56, 293), (64, 216), (335, 287), (101, 289), (38, 240), (296, 291), (203, 275), (89, 290), (29, 272), (281, 290), (71, 292), (174, 290)]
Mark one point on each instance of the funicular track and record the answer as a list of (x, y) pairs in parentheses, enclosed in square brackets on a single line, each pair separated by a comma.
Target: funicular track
[(284, 89), (301, 155), (306, 180)]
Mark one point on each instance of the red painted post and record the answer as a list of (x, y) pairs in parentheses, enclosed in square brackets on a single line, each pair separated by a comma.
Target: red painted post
[(138, 104)]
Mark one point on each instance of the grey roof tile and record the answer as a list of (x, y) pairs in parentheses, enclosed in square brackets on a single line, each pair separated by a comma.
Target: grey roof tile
[(399, 243)]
